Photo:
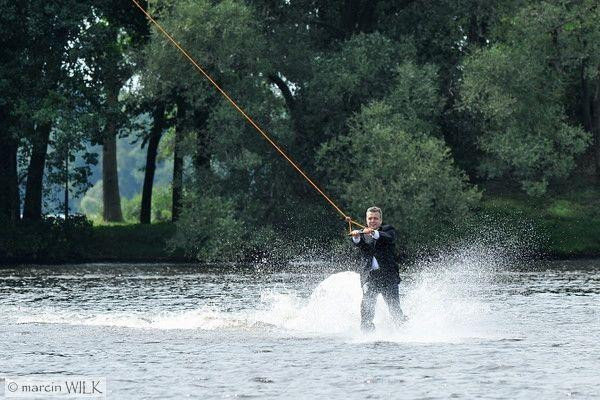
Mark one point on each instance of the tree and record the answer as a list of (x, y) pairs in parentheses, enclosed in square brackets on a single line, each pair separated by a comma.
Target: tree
[(225, 40), (517, 91), (395, 160), (12, 40), (112, 32), (576, 54), (37, 52), (68, 141), (153, 140), (304, 34)]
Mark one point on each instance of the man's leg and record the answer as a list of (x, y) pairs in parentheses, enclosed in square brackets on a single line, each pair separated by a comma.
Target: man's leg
[(392, 299), (367, 306)]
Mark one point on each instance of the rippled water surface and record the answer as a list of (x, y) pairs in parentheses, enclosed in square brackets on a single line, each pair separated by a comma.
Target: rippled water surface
[(477, 329)]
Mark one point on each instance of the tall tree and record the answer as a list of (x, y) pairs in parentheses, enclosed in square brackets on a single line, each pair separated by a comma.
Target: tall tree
[(111, 198), (518, 91), (153, 140), (9, 192), (114, 30), (302, 35), (39, 35), (577, 43), (69, 160), (235, 63), (32, 208), (394, 145), (12, 40)]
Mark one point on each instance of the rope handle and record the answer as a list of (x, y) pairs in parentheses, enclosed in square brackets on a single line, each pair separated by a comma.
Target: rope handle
[(350, 222)]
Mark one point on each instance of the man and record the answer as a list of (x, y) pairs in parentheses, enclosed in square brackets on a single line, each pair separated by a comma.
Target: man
[(379, 269)]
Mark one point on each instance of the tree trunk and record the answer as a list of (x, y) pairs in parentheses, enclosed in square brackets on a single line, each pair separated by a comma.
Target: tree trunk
[(177, 176), (9, 189), (291, 103), (67, 184), (111, 198), (300, 145), (153, 141), (32, 209)]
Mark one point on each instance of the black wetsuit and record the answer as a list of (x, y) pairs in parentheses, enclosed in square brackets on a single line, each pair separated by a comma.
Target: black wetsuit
[(383, 280)]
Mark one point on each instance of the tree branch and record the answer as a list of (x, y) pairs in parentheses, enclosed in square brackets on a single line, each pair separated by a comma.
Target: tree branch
[(285, 91)]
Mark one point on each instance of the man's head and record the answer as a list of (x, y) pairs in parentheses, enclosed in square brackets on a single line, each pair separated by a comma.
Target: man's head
[(374, 217)]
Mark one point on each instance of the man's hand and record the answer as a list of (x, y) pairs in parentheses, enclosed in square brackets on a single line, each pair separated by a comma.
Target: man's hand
[(368, 231), (355, 233)]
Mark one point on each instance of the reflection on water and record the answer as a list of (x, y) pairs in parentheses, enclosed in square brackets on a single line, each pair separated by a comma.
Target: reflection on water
[(477, 328)]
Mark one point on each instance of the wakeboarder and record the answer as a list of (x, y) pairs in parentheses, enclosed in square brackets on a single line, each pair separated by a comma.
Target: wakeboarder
[(379, 269)]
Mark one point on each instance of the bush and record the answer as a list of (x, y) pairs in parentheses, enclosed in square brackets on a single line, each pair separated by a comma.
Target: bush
[(516, 96), (91, 203), (49, 240), (208, 230), (411, 176), (161, 205)]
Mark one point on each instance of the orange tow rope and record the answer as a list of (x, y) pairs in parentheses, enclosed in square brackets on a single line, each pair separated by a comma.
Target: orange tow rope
[(250, 120)]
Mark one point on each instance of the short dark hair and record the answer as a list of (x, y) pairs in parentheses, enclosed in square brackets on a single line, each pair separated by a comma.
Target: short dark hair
[(375, 210)]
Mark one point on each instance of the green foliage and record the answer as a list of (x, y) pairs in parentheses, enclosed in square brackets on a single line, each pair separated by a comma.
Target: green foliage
[(161, 205), (209, 230), (225, 39), (566, 225), (131, 208), (49, 240), (67, 143), (343, 80), (363, 94), (390, 159), (91, 203), (563, 208), (55, 240), (134, 242), (415, 98), (517, 90)]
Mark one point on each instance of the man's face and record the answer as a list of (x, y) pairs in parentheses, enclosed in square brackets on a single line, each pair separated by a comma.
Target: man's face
[(373, 220)]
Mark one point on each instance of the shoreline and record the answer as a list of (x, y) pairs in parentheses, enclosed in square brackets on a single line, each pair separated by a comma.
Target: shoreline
[(179, 261), (560, 228)]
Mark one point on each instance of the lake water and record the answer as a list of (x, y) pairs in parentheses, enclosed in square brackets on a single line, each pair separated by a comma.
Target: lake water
[(479, 327)]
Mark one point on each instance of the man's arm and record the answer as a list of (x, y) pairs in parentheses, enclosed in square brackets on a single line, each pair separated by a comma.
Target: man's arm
[(358, 240), (387, 235)]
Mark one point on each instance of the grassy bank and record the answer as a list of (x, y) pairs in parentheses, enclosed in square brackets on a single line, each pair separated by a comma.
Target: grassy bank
[(562, 226), (133, 242), (78, 240), (566, 225)]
